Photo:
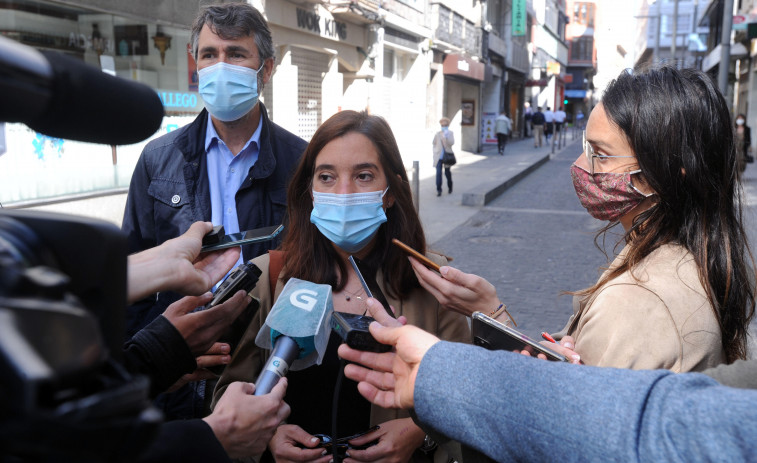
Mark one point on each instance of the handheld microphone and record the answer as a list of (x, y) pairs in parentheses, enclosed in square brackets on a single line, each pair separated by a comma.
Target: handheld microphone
[(63, 97), (298, 330)]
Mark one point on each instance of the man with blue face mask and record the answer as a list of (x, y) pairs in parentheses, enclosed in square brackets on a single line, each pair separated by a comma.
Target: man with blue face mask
[(230, 166)]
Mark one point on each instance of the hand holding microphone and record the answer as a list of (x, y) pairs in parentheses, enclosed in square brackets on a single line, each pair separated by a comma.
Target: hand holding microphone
[(297, 330)]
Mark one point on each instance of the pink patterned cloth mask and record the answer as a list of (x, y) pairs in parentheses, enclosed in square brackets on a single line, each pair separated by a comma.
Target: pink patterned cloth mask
[(606, 195)]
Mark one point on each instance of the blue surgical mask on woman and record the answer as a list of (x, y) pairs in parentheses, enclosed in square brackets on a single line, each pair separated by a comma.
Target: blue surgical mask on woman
[(229, 91), (349, 221)]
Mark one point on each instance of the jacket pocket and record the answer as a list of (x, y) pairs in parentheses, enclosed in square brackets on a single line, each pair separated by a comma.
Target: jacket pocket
[(169, 193), (172, 211)]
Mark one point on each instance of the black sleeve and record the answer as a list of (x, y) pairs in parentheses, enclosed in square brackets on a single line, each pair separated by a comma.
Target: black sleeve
[(159, 352), (185, 441)]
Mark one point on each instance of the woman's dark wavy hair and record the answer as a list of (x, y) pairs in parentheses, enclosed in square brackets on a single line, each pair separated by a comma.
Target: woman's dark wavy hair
[(311, 256), (678, 125)]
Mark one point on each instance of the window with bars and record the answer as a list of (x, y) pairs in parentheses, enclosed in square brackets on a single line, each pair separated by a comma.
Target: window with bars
[(582, 49)]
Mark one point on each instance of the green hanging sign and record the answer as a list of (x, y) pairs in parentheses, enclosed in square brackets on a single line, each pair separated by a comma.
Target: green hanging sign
[(519, 18)]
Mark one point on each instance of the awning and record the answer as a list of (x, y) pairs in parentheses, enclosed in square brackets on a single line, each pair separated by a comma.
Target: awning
[(575, 93), (459, 65)]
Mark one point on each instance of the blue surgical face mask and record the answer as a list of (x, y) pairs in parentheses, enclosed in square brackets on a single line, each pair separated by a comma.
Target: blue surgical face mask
[(229, 91), (445, 128), (349, 221)]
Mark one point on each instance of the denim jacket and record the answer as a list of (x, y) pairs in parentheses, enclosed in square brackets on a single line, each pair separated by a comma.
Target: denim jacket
[(170, 190)]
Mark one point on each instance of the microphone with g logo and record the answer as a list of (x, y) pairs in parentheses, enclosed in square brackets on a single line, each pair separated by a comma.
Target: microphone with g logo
[(297, 330)]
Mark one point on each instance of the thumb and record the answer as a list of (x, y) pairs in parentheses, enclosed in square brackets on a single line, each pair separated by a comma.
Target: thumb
[(199, 229), (385, 334), (187, 304), (376, 310)]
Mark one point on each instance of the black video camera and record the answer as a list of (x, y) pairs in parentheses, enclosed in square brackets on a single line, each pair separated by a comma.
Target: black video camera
[(63, 395)]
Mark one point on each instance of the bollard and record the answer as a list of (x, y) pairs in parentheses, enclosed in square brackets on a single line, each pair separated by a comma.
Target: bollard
[(416, 185)]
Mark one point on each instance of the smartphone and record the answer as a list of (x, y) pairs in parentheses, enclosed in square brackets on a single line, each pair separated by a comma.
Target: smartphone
[(217, 239), (493, 335), (412, 252)]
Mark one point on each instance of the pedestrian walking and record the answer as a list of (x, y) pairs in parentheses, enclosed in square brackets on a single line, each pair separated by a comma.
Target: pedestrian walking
[(743, 142), (560, 117), (443, 141), (549, 120), (537, 120), (503, 127), (527, 113)]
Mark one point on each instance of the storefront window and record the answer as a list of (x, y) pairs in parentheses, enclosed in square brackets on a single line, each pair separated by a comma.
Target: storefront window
[(39, 168)]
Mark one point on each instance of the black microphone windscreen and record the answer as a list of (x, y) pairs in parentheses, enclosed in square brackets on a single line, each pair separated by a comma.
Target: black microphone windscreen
[(89, 105)]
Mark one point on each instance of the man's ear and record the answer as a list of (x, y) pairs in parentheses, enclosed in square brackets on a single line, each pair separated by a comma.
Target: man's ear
[(268, 69)]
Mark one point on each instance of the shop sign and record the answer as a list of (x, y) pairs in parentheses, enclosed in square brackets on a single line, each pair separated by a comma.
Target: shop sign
[(180, 101), (459, 65), (519, 18), (323, 26)]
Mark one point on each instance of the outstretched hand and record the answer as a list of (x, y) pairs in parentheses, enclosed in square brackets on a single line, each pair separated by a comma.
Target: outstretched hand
[(389, 379), (462, 292), (178, 265)]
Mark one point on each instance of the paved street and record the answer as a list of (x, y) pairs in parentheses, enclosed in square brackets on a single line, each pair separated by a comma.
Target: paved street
[(532, 243)]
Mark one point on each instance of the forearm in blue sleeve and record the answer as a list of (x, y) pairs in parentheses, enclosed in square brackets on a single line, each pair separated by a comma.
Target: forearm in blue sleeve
[(515, 408)]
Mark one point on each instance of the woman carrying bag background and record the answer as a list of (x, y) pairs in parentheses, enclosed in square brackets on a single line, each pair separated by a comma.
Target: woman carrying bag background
[(443, 141)]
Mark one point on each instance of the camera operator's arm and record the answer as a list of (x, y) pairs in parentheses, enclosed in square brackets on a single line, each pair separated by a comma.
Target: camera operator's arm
[(177, 265)]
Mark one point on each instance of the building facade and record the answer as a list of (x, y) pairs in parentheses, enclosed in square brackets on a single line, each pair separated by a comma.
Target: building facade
[(410, 61)]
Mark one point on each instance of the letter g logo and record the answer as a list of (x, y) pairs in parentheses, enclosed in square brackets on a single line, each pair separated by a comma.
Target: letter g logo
[(304, 299)]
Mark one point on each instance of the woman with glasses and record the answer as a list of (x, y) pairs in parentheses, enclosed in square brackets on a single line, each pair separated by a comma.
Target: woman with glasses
[(659, 158), (349, 196)]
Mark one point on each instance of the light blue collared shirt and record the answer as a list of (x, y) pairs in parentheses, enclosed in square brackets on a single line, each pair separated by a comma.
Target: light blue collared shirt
[(226, 173)]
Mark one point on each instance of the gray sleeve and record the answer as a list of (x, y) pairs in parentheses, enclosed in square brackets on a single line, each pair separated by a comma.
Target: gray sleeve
[(515, 408), (741, 373)]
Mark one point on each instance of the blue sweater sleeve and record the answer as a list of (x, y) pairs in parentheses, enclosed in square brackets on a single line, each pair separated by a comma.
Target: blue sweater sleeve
[(515, 408)]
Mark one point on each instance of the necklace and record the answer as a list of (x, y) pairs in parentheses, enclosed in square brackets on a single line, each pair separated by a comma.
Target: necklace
[(350, 294)]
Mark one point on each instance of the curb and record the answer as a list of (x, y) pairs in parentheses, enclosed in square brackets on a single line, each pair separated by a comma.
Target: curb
[(488, 192)]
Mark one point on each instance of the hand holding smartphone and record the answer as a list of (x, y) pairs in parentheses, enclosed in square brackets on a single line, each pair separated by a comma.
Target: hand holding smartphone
[(412, 252)]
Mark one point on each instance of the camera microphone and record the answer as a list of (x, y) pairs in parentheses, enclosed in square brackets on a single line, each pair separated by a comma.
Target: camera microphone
[(63, 97), (298, 330)]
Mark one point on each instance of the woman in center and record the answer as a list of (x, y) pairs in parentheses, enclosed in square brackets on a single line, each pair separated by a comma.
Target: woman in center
[(349, 196)]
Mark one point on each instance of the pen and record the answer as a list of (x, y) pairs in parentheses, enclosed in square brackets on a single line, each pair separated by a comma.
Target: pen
[(549, 338)]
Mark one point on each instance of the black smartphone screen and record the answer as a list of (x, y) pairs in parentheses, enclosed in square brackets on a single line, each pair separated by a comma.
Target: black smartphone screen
[(493, 335), (246, 237)]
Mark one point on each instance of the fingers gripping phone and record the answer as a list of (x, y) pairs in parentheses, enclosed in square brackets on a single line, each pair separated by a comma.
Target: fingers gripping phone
[(493, 335)]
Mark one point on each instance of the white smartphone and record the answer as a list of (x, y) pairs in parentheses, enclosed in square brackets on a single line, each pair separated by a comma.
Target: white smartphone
[(493, 335)]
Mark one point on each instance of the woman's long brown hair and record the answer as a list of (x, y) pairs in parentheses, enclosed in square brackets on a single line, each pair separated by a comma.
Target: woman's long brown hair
[(679, 127), (311, 256)]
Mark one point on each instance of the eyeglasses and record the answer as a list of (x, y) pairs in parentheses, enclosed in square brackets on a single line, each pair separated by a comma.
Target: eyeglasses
[(342, 444), (590, 155)]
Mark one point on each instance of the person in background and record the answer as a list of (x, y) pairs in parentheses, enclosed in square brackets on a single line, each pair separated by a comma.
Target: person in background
[(350, 195), (537, 121), (549, 123), (680, 293), (230, 166), (743, 141), (503, 128), (560, 117), (443, 141), (527, 113), (628, 415)]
